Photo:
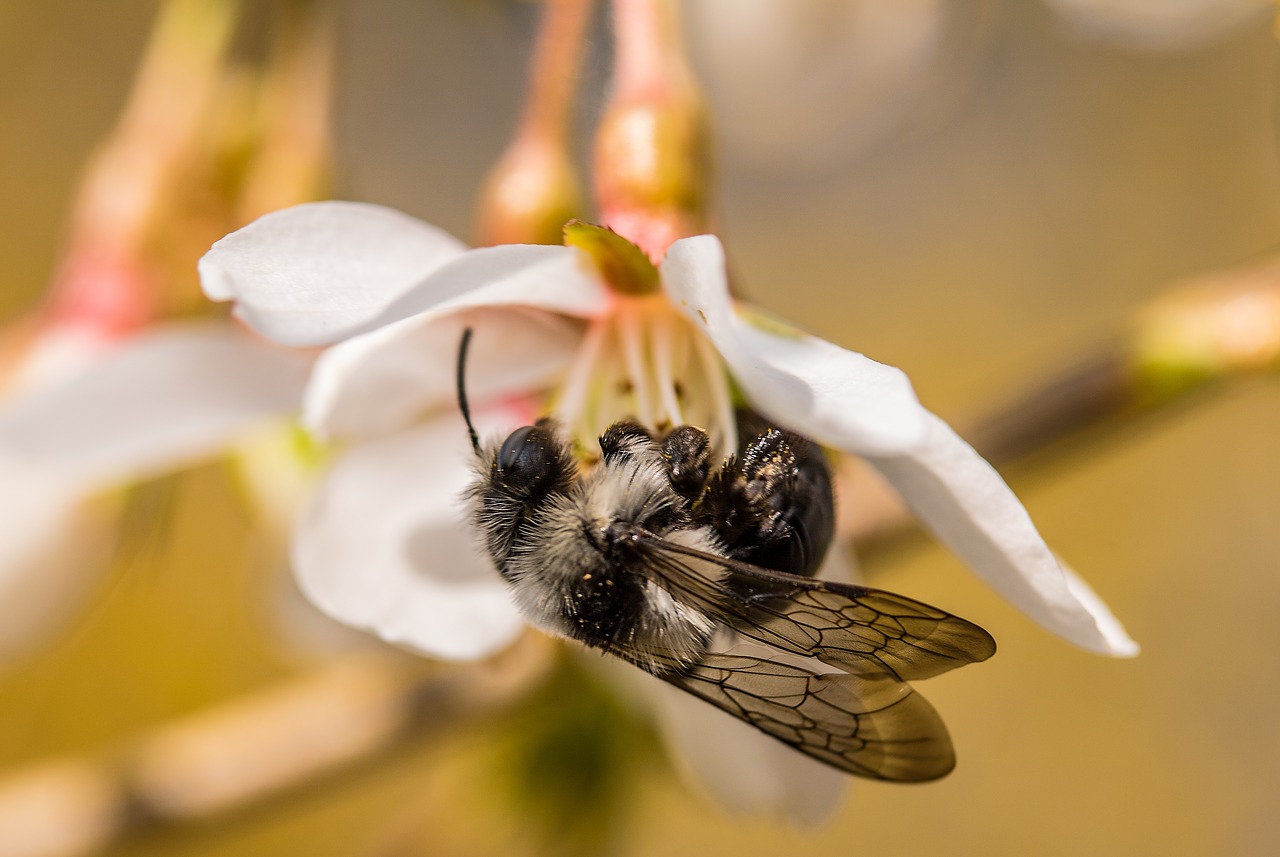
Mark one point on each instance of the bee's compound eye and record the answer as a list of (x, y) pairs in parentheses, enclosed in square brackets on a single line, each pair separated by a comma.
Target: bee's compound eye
[(528, 460)]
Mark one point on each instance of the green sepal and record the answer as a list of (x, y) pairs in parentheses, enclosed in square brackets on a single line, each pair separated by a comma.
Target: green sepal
[(624, 266)]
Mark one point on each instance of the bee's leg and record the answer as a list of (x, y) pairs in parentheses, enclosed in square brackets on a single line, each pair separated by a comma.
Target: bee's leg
[(624, 439), (687, 453), (806, 506), (772, 504)]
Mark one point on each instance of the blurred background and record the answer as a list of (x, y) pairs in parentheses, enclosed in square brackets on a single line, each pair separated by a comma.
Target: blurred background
[(978, 192)]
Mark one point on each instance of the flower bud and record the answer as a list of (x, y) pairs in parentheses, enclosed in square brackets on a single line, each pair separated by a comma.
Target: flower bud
[(1225, 324), (652, 167), (651, 148), (530, 194)]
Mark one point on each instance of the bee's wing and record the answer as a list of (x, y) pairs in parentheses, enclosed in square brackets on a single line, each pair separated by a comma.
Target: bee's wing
[(871, 726), (863, 719), (860, 630)]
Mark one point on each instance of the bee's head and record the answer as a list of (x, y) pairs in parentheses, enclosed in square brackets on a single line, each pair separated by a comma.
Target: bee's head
[(532, 461), (515, 480)]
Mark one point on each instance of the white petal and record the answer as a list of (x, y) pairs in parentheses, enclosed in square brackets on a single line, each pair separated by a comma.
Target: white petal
[(964, 502), (1118, 641), (315, 273), (557, 279), (840, 564), (839, 398), (157, 401), (275, 472), (386, 379), (743, 769), (54, 545), (56, 353), (385, 545)]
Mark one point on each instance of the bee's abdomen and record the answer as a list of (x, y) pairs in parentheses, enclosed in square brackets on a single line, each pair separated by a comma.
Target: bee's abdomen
[(604, 605)]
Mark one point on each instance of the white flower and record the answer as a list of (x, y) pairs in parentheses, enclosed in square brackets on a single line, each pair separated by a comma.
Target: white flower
[(87, 413), (389, 389), (1160, 24), (385, 544)]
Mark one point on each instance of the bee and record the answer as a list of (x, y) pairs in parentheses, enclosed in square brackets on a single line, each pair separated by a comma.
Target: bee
[(700, 573)]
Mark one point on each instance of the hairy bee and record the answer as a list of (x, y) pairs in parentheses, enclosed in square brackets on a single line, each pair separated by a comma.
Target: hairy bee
[(698, 572)]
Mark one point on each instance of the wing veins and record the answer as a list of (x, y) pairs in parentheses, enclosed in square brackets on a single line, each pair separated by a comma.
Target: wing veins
[(844, 626), (897, 737)]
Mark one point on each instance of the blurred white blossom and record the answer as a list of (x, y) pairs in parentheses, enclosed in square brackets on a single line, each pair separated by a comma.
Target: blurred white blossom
[(112, 381), (810, 80), (1159, 24), (94, 415)]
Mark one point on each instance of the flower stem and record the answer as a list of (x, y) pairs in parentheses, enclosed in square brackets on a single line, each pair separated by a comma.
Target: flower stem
[(633, 358), (104, 282), (295, 109), (553, 73), (533, 190), (1203, 333), (243, 753), (651, 173)]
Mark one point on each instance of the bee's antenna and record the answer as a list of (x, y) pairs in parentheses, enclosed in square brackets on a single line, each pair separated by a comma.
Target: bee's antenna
[(462, 389)]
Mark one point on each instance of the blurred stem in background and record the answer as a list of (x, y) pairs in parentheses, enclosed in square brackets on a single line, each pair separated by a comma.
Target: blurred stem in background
[(292, 108), (1199, 335), (111, 382), (204, 140), (652, 157), (228, 757), (535, 187), (128, 195), (112, 281), (364, 707), (1205, 332)]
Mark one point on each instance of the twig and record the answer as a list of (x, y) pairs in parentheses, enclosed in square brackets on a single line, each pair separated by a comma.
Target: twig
[(1205, 332), (252, 749)]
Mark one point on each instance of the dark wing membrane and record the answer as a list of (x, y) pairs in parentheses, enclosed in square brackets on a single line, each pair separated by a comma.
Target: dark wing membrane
[(871, 726), (864, 631)]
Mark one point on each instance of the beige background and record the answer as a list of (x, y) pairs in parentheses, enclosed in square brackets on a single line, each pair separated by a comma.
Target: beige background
[(1017, 216)]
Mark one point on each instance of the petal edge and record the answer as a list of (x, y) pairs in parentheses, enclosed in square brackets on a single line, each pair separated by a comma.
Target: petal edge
[(315, 273), (839, 398), (965, 503)]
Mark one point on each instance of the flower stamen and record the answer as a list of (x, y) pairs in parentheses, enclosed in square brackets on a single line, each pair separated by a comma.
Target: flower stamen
[(663, 347), (718, 393), (645, 362), (571, 408), (632, 343)]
